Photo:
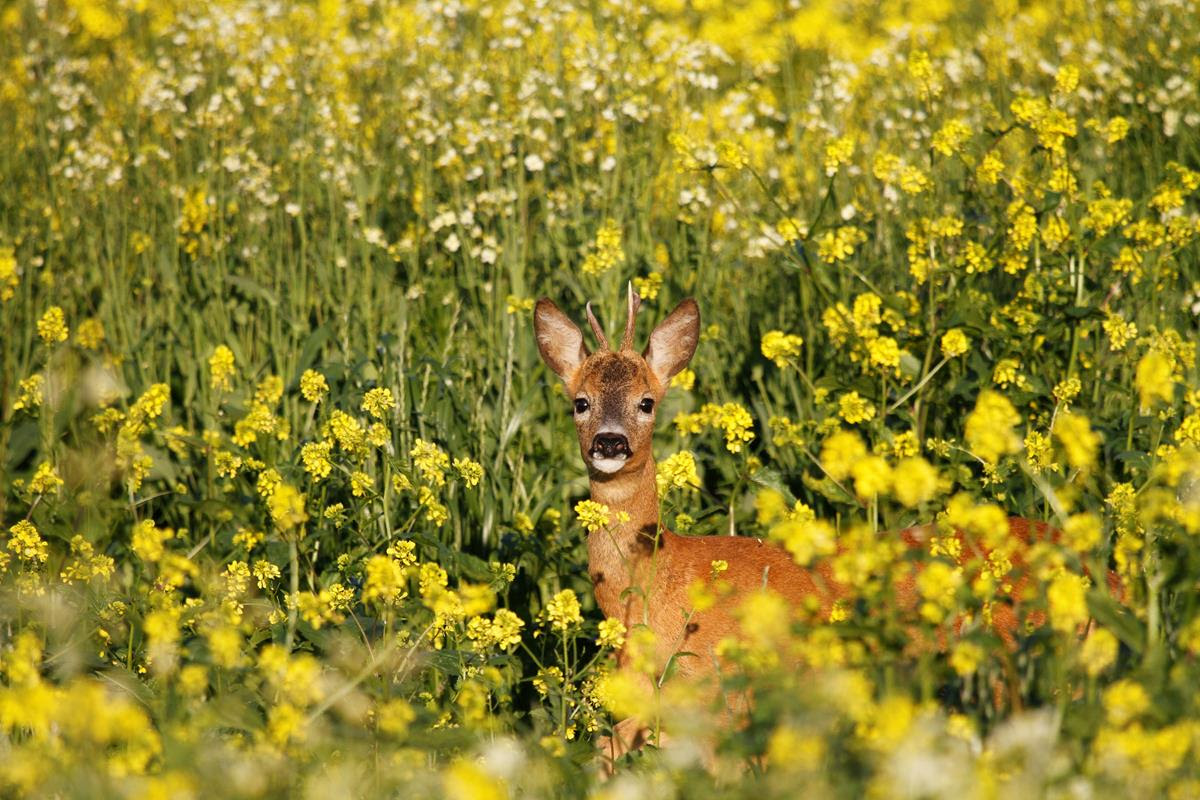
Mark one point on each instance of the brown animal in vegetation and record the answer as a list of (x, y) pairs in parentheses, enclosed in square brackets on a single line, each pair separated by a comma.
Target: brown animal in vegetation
[(615, 394)]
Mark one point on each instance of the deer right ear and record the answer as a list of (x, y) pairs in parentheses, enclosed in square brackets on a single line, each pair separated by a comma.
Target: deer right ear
[(559, 340), (673, 342)]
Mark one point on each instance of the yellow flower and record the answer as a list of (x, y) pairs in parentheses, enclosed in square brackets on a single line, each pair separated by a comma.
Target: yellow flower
[(884, 353), (837, 153), (1154, 379), (90, 334), (731, 154), (606, 252), (386, 580), (518, 305), (286, 505), (791, 229), (313, 386), (361, 484), (955, 343), (915, 481), (52, 327), (839, 244), (872, 476), (1067, 390), (148, 540), (840, 452), (1099, 651), (431, 461), (990, 168), (592, 515), (26, 543), (470, 471), (30, 393), (612, 633), (805, 539), (950, 137), (522, 522), (989, 429), (938, 584), (45, 480), (966, 658), (1116, 130), (678, 471), (8, 273), (1039, 453), (1078, 440), (1068, 602), (623, 693), (855, 409), (404, 551), (1120, 333), (563, 610), (1124, 701), (647, 287), (1082, 532), (315, 456), (780, 347), (221, 369), (378, 402)]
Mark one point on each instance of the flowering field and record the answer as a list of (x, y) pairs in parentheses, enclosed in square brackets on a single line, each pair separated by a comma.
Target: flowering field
[(289, 505)]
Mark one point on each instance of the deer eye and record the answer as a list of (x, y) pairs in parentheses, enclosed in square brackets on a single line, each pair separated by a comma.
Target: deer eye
[(646, 406), (581, 405)]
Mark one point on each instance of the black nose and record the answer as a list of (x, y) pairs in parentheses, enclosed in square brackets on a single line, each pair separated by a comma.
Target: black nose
[(610, 445)]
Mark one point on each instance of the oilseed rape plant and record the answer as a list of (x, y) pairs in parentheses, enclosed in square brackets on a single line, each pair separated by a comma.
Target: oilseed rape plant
[(290, 507)]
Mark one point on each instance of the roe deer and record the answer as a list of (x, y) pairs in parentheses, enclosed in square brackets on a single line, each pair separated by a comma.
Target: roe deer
[(615, 394)]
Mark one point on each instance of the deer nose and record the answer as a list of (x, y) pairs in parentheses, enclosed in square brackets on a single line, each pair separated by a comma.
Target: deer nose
[(610, 445)]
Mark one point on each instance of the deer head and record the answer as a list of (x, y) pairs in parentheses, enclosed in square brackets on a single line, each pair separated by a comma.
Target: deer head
[(615, 393)]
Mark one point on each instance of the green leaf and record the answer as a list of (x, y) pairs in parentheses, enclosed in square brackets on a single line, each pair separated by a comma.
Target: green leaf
[(772, 479)]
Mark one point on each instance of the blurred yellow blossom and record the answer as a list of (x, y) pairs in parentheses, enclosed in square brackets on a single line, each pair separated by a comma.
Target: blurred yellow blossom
[(52, 327)]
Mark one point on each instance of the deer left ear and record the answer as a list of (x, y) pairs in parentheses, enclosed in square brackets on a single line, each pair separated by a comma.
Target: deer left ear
[(673, 342), (558, 339)]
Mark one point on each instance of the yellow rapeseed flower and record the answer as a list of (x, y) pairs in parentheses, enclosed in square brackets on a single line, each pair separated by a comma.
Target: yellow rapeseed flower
[(781, 348), (855, 409), (469, 470), (9, 277), (378, 402), (563, 611), (840, 452), (677, 471), (313, 386), (1078, 439), (612, 633), (989, 429), (592, 515), (221, 369), (915, 481), (52, 327), (955, 343), (286, 505), (1154, 379)]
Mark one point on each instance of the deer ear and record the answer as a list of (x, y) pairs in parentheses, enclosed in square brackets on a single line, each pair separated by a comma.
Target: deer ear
[(673, 342), (559, 340)]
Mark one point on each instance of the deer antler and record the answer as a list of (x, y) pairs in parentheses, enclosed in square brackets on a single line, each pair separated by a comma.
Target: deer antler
[(596, 329), (635, 302)]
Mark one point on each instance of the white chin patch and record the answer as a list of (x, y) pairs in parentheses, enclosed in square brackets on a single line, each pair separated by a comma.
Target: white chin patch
[(608, 465)]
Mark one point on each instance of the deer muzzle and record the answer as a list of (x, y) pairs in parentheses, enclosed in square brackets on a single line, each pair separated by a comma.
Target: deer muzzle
[(609, 451)]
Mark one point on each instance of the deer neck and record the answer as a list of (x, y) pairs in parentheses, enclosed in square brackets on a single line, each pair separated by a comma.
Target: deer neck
[(616, 555)]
